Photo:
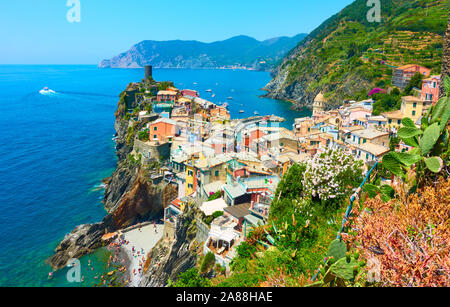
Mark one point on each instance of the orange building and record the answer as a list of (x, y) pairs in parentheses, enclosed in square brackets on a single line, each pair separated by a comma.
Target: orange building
[(220, 112), (402, 75), (163, 130)]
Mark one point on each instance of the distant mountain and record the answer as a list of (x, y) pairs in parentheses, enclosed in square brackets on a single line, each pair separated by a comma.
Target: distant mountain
[(347, 55), (236, 51)]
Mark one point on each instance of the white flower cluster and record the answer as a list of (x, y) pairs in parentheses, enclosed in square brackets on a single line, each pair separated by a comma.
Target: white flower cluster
[(325, 175)]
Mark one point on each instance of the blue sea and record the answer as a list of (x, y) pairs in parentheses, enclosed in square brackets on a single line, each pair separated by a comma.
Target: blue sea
[(56, 148)]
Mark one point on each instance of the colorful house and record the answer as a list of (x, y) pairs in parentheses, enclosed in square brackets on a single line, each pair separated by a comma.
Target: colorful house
[(167, 96), (369, 152), (163, 130), (402, 75), (430, 89), (190, 93), (371, 136), (412, 107)]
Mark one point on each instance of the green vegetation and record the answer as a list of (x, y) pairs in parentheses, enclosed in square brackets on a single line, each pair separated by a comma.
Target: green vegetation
[(215, 196), (164, 85), (386, 102), (300, 226), (190, 279), (208, 262), (430, 145), (415, 82), (208, 219), (143, 135), (347, 56)]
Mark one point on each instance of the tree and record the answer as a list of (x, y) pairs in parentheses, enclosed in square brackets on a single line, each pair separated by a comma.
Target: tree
[(415, 82)]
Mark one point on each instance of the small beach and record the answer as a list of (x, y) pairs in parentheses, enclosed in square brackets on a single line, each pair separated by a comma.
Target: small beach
[(139, 242)]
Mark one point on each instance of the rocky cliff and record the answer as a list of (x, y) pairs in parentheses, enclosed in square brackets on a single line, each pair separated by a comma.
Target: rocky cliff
[(170, 258), (129, 198), (348, 55)]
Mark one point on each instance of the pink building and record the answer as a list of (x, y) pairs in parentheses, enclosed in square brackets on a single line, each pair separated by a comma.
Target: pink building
[(430, 89), (356, 114), (191, 93)]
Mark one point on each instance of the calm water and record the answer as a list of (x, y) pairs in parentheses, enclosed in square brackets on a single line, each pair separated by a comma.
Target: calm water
[(55, 149)]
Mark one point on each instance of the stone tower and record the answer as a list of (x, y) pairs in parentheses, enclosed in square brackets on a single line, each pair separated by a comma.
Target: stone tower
[(319, 104), (148, 72), (445, 59)]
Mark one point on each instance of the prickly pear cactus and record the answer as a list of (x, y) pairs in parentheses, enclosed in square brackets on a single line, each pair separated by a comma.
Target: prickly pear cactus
[(337, 249)]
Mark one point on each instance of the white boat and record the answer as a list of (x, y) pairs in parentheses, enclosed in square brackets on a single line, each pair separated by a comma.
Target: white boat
[(230, 98), (256, 113), (46, 90), (208, 91), (241, 111), (213, 95)]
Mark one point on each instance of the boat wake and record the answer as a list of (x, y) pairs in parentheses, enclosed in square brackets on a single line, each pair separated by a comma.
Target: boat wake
[(46, 91)]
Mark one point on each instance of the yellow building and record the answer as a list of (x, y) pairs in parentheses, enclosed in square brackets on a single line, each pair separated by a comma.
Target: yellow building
[(191, 174), (412, 107)]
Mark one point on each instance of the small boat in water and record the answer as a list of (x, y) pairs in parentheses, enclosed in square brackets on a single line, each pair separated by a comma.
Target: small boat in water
[(256, 113), (208, 91), (46, 90), (230, 98), (241, 111), (213, 95)]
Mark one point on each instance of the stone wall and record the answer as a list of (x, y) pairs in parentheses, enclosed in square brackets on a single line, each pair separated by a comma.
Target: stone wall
[(151, 150), (202, 231)]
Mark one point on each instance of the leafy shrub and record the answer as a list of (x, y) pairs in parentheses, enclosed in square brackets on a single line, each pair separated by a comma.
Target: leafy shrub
[(332, 175), (190, 279), (208, 262), (407, 237), (215, 196)]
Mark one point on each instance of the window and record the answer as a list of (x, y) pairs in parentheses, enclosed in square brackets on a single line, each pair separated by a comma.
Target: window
[(190, 186), (415, 105), (281, 144), (364, 141), (399, 121), (216, 173), (367, 156), (390, 121), (155, 128), (413, 113), (155, 136), (190, 173)]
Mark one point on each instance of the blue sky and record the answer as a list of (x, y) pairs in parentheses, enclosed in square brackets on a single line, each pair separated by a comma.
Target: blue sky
[(37, 32)]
